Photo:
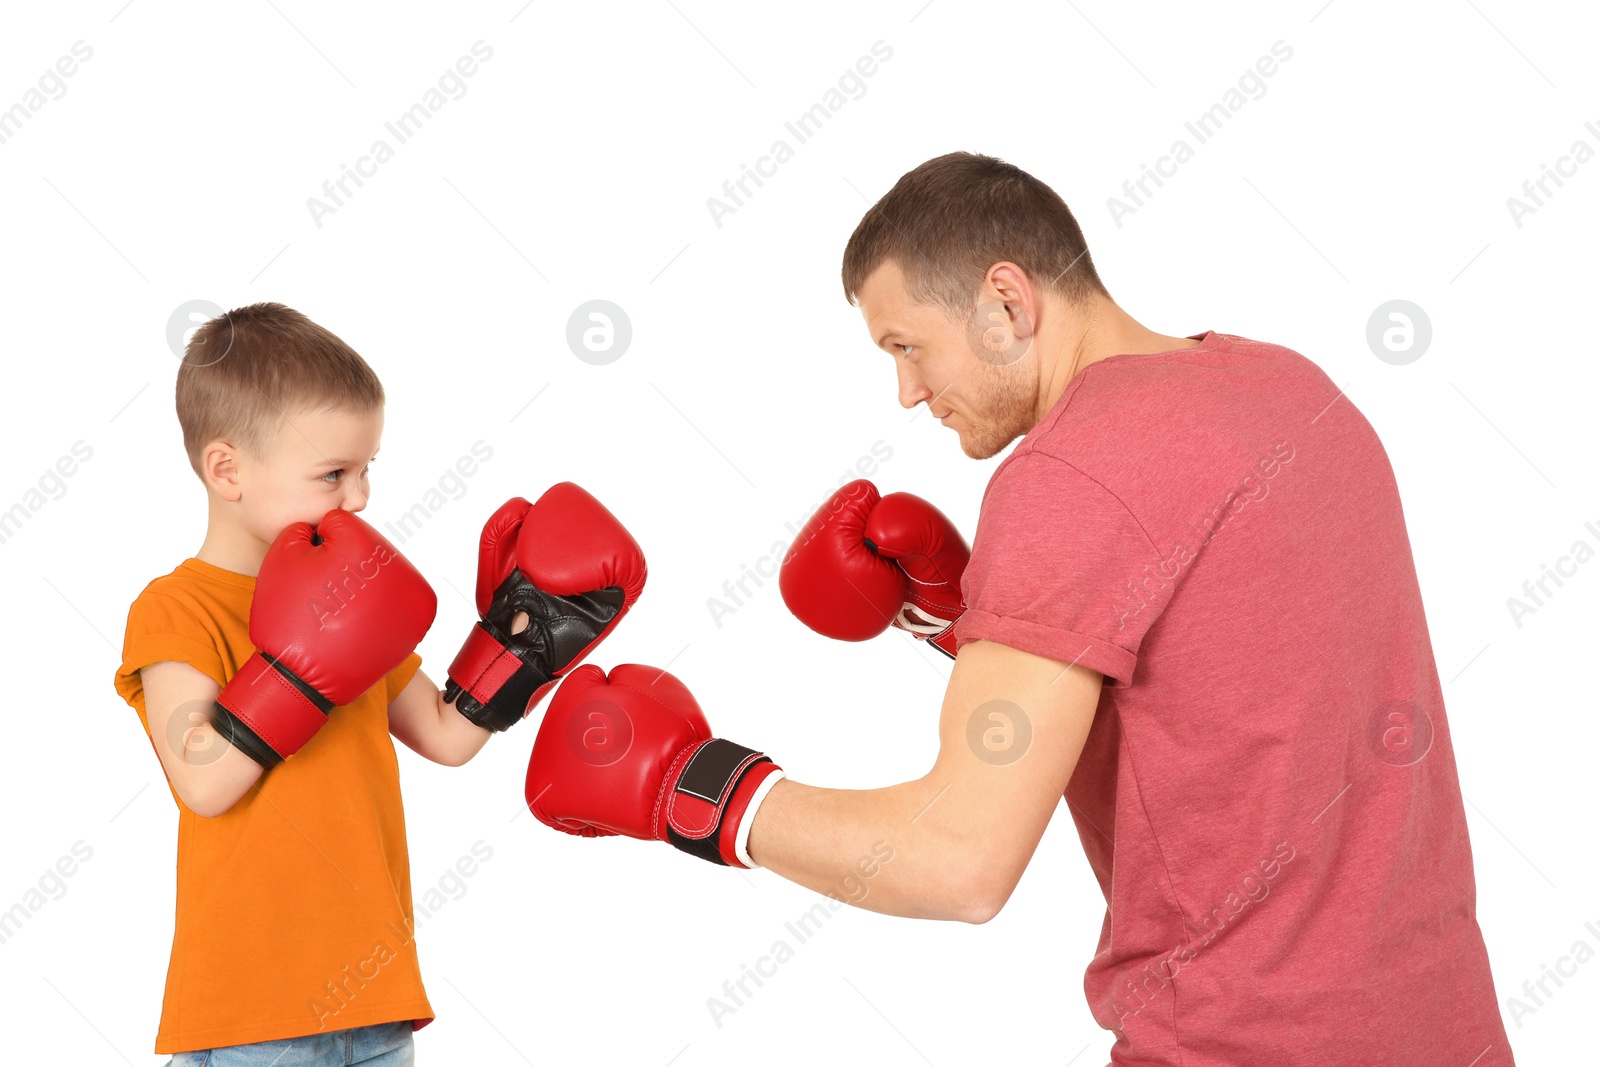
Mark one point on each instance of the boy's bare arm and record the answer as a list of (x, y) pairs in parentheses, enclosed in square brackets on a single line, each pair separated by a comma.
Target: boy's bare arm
[(208, 774), (428, 726), (433, 729)]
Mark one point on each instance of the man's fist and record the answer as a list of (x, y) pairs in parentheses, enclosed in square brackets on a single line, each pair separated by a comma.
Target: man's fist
[(335, 608), (632, 754), (571, 567), (863, 563)]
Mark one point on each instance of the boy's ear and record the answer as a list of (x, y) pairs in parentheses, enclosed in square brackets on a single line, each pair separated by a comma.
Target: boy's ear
[(220, 469)]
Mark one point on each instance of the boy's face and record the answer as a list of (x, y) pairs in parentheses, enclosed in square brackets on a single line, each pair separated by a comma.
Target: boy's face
[(317, 462)]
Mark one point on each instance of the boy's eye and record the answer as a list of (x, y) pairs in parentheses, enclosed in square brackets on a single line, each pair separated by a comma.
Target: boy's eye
[(905, 349), (337, 473)]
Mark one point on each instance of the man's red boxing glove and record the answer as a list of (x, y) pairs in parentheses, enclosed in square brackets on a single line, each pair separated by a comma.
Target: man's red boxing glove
[(335, 608), (632, 754), (573, 569), (863, 563)]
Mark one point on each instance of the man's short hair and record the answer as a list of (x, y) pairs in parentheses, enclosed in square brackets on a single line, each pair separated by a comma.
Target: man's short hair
[(952, 218)]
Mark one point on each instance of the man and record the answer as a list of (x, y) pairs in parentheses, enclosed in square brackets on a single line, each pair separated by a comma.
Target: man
[(1190, 608)]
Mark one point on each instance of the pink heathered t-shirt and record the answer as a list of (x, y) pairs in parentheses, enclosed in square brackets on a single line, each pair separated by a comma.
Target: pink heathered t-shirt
[(1268, 795)]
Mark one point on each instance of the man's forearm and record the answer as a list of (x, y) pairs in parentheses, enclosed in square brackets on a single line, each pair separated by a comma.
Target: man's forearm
[(900, 850)]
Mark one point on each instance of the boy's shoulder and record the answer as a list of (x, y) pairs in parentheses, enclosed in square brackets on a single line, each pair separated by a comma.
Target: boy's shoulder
[(171, 597), (200, 586), (195, 597), (170, 584), (196, 613)]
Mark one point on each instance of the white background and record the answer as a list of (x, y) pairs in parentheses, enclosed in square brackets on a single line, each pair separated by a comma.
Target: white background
[(177, 167)]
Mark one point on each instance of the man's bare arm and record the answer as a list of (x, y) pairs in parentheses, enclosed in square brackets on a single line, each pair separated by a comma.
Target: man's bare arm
[(959, 837)]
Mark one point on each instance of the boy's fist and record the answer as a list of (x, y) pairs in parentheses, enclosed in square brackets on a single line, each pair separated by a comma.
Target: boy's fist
[(336, 608)]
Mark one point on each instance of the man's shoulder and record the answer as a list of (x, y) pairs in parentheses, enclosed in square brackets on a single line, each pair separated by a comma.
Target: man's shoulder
[(1123, 417)]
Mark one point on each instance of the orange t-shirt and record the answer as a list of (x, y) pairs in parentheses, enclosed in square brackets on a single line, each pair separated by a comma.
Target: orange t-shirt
[(294, 906)]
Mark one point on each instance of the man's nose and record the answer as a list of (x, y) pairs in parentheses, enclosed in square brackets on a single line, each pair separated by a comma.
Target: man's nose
[(912, 389)]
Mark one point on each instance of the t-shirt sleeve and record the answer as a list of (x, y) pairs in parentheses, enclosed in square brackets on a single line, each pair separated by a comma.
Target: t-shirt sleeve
[(401, 676), (161, 627), (1060, 568)]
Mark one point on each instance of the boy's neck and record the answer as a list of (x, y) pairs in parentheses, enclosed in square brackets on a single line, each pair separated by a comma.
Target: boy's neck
[(228, 557), (228, 546)]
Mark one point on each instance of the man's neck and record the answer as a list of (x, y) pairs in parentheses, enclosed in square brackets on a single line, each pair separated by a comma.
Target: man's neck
[(1107, 331)]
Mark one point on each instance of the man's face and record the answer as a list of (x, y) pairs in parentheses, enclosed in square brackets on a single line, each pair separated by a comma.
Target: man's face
[(975, 377), (317, 462)]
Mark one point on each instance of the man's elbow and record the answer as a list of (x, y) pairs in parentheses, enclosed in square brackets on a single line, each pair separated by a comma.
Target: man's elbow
[(981, 908), (981, 894), (981, 911)]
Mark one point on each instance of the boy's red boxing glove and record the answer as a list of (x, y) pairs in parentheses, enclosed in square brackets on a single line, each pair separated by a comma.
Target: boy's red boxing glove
[(574, 570), (335, 608), (863, 563), (632, 754)]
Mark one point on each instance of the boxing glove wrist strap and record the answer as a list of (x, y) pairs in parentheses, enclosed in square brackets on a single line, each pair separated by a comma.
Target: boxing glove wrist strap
[(707, 795), (489, 683), (928, 621), (267, 712), (741, 840)]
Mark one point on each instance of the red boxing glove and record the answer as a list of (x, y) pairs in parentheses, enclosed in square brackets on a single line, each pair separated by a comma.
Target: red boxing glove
[(862, 564), (571, 566), (632, 754), (336, 608)]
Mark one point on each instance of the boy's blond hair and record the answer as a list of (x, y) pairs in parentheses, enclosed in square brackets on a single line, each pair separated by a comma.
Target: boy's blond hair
[(246, 369)]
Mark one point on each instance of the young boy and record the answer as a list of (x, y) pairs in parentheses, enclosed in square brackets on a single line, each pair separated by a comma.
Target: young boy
[(270, 669)]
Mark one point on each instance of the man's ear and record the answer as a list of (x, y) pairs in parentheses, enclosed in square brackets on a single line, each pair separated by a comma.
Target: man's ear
[(219, 466), (1001, 328), (1011, 287)]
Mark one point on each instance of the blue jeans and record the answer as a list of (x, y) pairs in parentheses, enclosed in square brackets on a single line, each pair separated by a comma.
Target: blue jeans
[(383, 1045)]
